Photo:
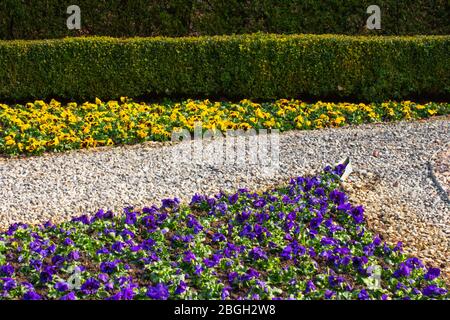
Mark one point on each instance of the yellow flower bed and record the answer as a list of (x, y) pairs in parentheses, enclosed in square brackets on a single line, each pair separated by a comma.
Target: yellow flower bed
[(37, 127)]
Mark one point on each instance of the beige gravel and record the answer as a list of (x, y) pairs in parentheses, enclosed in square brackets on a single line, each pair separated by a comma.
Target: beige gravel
[(440, 164), (395, 221)]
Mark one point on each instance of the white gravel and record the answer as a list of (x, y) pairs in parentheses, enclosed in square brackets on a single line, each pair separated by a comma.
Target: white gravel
[(59, 186)]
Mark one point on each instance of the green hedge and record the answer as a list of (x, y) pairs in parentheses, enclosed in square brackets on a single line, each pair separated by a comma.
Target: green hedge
[(251, 66), (40, 19)]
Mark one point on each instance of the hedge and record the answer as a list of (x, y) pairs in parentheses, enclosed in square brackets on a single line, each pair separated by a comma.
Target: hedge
[(37, 19), (251, 66)]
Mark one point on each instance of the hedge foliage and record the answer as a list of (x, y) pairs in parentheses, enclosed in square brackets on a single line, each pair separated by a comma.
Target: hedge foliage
[(37, 19), (250, 66)]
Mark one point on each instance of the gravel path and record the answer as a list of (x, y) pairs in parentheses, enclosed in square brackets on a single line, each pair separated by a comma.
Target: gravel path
[(391, 177), (440, 170)]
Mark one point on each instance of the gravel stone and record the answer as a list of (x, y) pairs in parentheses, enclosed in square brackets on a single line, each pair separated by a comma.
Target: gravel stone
[(440, 171)]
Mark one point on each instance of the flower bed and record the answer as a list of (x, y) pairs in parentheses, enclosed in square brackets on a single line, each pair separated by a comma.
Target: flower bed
[(300, 241), (37, 127)]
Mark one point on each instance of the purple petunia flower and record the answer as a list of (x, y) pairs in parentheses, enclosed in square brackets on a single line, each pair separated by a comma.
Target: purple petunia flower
[(339, 169), (69, 296), (118, 246), (326, 241), (197, 198), (287, 252), (230, 250), (225, 293), (27, 285), (432, 274), (36, 264), (260, 203), (386, 248), (187, 238), (329, 294), (103, 277), (359, 261), (414, 263), (337, 197), (257, 254), (310, 287), (210, 263), (90, 286), (127, 234), (48, 225), (46, 275), (258, 228), (344, 206), (100, 214), (376, 240), (192, 222), (319, 192), (232, 276), (182, 286), (233, 198), (73, 255), (357, 214), (127, 293), (222, 208), (189, 257), (243, 216), (416, 291), (31, 295), (342, 251), (130, 217), (57, 260), (158, 292), (315, 222), (171, 203), (102, 251), (345, 260), (400, 286), (109, 266), (247, 231), (7, 270), (218, 237), (68, 242), (84, 219), (433, 290), (198, 269), (249, 275), (211, 202), (398, 247), (369, 250), (109, 286), (115, 297), (148, 244), (335, 281), (363, 295), (9, 284), (61, 286), (291, 216), (402, 271)]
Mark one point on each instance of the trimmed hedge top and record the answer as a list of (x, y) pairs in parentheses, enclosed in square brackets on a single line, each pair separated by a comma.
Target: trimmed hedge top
[(37, 19), (252, 66)]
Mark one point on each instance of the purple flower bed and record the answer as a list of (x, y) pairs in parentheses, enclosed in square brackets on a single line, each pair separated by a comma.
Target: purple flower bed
[(300, 241)]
